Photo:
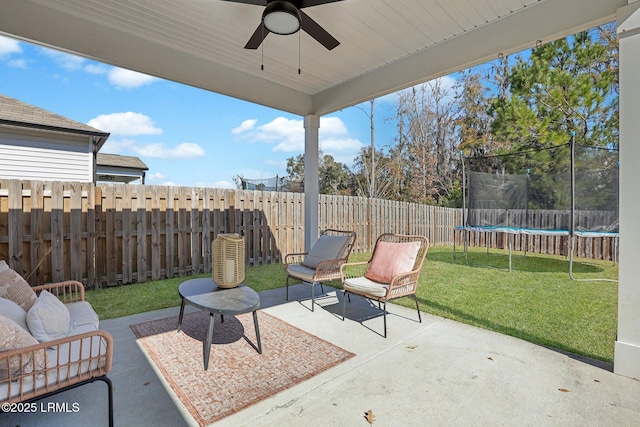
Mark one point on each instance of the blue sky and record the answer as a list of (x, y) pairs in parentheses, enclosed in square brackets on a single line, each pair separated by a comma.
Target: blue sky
[(186, 136)]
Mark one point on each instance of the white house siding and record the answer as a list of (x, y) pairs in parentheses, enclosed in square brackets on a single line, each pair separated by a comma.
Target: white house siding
[(58, 157)]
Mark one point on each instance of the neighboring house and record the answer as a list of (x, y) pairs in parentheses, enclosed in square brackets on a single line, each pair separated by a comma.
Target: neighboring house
[(38, 144), (116, 168)]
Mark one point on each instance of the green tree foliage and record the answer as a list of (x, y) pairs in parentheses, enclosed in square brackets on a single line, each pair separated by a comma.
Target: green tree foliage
[(566, 86), (335, 177)]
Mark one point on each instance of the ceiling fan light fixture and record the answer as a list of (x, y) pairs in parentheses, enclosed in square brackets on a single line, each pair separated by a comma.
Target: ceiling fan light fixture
[(281, 17)]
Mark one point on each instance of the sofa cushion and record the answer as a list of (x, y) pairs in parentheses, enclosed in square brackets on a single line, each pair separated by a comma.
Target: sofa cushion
[(14, 312), (391, 259), (326, 248), (13, 336), (48, 319), (15, 288), (81, 313)]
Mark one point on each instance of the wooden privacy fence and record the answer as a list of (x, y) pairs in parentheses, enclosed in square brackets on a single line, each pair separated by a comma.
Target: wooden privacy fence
[(107, 235)]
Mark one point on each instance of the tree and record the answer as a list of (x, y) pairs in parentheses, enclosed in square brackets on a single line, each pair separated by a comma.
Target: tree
[(426, 143), (295, 168), (334, 177), (362, 175), (473, 122), (566, 86)]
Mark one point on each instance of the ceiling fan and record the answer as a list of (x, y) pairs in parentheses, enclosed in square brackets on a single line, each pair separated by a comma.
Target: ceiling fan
[(286, 17)]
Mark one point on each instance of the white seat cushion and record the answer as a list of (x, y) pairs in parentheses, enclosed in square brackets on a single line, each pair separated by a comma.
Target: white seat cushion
[(81, 313), (301, 272), (362, 285)]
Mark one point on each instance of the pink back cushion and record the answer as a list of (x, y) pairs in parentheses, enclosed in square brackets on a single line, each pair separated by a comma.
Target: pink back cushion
[(391, 259)]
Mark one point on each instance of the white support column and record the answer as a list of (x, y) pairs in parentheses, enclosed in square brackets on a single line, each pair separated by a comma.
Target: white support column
[(311, 181), (627, 347)]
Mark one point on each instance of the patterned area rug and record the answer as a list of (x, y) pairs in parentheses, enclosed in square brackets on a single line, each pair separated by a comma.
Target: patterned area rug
[(237, 376)]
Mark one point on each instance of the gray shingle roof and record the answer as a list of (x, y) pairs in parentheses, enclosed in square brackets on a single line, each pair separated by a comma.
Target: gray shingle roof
[(116, 160), (17, 112)]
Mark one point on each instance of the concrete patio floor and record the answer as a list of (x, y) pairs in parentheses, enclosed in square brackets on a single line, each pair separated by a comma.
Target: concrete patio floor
[(437, 373)]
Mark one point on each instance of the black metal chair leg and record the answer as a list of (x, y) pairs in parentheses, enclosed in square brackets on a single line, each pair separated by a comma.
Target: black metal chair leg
[(313, 286), (344, 303), (287, 291), (417, 307), (385, 318)]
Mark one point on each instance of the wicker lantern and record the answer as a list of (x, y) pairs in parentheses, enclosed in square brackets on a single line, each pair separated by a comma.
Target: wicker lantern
[(228, 260)]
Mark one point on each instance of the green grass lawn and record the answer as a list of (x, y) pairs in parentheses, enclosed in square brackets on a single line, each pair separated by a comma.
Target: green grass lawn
[(536, 301)]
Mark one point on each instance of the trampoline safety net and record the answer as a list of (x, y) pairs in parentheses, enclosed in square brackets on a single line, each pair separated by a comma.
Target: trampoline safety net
[(272, 184), (533, 190)]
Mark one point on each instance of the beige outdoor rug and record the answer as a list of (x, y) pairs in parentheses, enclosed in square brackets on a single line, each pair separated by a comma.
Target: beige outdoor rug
[(237, 376)]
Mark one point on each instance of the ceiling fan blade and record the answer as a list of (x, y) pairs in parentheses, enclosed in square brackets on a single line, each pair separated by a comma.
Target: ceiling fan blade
[(257, 37), (256, 2), (312, 28), (309, 3)]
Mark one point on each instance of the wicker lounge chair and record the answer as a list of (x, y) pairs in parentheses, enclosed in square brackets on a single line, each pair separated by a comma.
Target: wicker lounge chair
[(322, 263), (392, 272)]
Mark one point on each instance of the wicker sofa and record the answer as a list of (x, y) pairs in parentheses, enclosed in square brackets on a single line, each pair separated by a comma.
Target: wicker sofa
[(32, 366)]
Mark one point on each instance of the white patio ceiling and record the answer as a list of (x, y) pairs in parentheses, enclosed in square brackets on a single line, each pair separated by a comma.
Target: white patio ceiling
[(385, 45)]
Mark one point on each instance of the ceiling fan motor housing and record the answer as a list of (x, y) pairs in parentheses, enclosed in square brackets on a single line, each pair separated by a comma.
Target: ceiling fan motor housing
[(281, 17)]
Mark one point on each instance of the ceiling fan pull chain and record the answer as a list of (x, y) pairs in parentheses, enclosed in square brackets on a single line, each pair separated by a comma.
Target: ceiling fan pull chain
[(299, 36), (262, 51)]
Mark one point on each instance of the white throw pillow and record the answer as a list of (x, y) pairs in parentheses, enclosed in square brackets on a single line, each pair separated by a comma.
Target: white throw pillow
[(14, 312), (48, 319)]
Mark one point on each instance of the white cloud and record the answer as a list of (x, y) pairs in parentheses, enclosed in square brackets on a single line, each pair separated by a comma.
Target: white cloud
[(287, 135), (17, 63), (218, 184), (65, 60), (128, 123), (155, 176), (127, 79), (115, 146), (9, 46), (224, 184), (96, 68), (245, 126), (185, 150)]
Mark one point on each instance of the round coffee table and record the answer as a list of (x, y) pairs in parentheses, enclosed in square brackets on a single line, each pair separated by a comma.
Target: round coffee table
[(206, 295)]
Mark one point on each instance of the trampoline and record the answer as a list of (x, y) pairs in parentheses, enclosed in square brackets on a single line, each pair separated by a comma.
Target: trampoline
[(568, 191)]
